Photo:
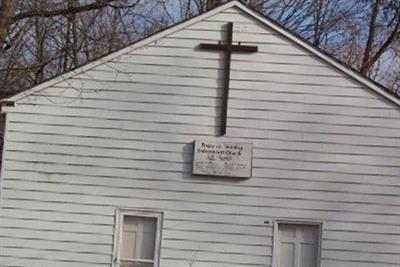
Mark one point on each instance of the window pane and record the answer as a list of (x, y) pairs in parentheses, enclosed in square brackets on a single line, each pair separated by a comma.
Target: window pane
[(129, 238), (309, 233), (288, 231), (287, 255), (308, 255), (148, 241), (138, 238)]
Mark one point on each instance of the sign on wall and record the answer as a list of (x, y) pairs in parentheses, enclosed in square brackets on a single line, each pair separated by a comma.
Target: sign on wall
[(226, 159)]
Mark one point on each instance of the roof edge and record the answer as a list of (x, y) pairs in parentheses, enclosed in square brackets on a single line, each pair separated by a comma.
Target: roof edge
[(320, 54), (103, 59), (355, 75)]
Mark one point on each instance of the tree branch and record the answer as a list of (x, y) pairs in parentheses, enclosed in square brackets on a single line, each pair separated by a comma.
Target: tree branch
[(384, 47), (371, 36), (99, 4), (7, 9)]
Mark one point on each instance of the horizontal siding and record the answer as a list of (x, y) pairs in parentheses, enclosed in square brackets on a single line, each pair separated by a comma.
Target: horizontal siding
[(121, 135), (305, 131), (161, 150), (235, 113), (86, 88), (76, 247), (15, 260), (19, 139), (291, 189), (60, 255), (142, 192)]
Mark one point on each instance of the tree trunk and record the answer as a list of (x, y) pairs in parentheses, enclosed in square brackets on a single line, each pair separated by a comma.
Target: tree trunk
[(318, 22), (213, 3), (371, 38), (6, 18)]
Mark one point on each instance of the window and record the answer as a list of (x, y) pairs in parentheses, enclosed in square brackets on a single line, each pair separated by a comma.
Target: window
[(137, 239), (296, 244)]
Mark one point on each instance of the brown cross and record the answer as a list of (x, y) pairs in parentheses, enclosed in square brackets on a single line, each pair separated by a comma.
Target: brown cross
[(228, 48)]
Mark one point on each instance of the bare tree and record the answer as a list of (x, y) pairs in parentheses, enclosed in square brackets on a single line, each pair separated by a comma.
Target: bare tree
[(389, 26), (361, 33), (42, 38), (213, 3), (7, 10)]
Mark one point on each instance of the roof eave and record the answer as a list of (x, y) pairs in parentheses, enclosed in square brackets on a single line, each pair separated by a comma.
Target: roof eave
[(321, 54), (235, 3), (136, 45)]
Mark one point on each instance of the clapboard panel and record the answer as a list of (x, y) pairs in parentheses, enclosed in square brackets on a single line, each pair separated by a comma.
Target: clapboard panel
[(120, 135)]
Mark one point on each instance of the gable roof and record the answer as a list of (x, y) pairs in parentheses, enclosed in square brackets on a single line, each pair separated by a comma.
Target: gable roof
[(235, 3)]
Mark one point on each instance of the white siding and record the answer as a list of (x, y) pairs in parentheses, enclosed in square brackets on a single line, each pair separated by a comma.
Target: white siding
[(120, 135)]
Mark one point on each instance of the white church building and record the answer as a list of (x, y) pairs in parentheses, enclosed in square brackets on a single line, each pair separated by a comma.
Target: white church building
[(224, 141)]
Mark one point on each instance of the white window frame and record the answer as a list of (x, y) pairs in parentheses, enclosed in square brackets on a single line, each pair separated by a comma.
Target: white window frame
[(120, 213), (275, 244)]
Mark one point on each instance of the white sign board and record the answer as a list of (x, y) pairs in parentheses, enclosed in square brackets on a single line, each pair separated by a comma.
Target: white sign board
[(226, 159)]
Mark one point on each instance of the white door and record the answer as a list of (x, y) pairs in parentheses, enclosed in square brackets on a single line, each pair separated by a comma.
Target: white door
[(297, 245)]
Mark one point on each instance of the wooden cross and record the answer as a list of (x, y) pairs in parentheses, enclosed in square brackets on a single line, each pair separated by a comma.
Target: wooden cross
[(228, 48)]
